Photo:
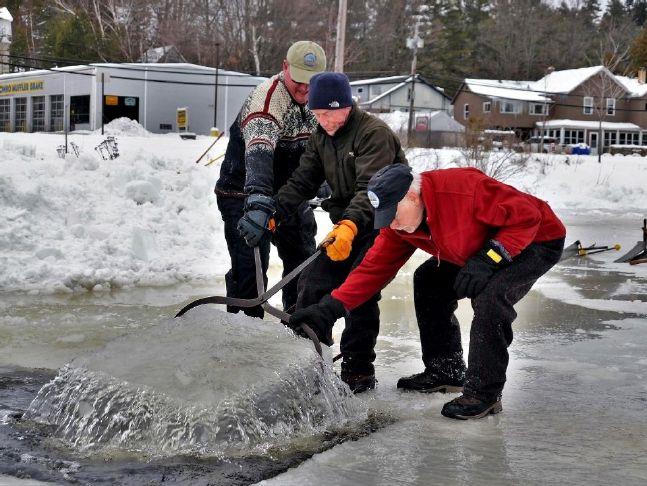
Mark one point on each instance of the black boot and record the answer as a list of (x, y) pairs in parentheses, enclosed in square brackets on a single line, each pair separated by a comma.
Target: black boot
[(358, 382), (466, 408), (429, 381)]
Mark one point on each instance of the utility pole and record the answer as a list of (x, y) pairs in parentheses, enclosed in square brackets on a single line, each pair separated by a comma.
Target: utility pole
[(103, 99), (341, 37), (549, 70), (215, 95), (414, 43)]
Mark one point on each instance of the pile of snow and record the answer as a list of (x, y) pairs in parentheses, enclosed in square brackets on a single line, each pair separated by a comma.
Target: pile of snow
[(148, 217), (124, 127), (567, 182), (398, 121)]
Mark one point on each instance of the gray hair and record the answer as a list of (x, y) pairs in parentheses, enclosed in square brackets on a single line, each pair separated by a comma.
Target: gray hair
[(415, 183)]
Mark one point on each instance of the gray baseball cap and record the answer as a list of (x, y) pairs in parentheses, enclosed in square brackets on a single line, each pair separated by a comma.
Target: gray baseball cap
[(305, 59)]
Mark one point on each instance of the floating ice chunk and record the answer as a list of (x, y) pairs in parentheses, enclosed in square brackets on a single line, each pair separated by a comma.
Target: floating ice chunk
[(209, 382)]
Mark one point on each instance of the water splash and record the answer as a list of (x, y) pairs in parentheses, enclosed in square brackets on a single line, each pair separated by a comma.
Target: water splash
[(212, 383)]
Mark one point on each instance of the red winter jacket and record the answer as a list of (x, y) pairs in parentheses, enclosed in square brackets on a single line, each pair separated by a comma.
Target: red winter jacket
[(464, 208)]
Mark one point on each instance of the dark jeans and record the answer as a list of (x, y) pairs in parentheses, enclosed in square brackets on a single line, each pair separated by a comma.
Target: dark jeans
[(491, 331), (294, 240), (363, 323)]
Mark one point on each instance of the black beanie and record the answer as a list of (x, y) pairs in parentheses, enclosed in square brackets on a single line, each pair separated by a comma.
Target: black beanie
[(329, 91)]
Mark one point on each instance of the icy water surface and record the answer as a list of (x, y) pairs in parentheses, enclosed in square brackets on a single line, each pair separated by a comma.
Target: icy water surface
[(575, 404)]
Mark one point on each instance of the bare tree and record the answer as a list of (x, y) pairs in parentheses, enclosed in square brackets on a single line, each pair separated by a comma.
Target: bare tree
[(604, 88), (478, 153)]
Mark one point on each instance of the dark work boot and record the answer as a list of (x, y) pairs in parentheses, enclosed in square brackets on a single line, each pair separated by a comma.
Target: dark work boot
[(466, 408), (358, 382), (429, 381)]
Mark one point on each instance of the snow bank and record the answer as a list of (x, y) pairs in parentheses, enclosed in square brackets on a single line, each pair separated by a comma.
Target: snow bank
[(124, 127), (567, 182), (148, 217)]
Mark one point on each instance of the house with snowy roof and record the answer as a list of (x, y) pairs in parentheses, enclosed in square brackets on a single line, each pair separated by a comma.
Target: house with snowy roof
[(393, 93), (163, 54), (588, 105)]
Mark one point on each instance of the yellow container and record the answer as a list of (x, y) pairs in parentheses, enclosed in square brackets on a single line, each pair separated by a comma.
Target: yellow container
[(214, 132)]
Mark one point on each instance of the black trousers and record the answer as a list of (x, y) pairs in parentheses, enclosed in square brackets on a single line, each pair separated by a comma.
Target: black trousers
[(491, 331), (294, 240), (363, 323)]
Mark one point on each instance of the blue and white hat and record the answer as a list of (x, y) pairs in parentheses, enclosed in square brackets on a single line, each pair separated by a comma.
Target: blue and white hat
[(386, 189)]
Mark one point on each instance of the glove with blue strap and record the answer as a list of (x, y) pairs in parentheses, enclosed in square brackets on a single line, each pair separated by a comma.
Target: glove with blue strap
[(477, 272), (258, 219)]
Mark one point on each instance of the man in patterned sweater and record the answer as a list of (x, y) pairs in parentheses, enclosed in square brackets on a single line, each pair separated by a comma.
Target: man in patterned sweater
[(266, 141)]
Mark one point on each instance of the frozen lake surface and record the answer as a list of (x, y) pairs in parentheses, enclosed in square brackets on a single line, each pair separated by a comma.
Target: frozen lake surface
[(574, 405)]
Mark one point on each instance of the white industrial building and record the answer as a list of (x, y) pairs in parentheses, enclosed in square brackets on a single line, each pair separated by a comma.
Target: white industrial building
[(82, 97)]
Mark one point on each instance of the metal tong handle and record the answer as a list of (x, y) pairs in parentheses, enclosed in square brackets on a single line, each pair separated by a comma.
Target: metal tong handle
[(284, 316)]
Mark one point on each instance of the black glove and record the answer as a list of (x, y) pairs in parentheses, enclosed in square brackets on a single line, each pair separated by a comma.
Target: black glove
[(477, 272), (320, 317), (258, 219)]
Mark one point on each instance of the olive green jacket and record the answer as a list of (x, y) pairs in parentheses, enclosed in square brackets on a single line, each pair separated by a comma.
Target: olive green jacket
[(347, 161)]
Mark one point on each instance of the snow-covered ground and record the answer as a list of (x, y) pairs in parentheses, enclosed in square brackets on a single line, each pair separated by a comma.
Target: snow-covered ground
[(149, 217)]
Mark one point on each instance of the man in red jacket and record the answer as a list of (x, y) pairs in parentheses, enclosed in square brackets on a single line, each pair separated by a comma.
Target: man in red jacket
[(489, 242)]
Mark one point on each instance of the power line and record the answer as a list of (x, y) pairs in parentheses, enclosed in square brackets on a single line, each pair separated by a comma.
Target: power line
[(85, 62), (122, 67), (191, 83), (163, 81), (447, 78)]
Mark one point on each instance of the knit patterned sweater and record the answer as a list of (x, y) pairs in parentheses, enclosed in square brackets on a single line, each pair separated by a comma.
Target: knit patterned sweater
[(266, 141)]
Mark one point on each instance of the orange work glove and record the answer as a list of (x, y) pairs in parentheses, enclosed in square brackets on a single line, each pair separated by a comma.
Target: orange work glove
[(342, 234)]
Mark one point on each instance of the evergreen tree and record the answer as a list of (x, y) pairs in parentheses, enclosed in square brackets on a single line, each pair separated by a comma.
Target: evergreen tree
[(639, 12), (638, 51), (615, 12)]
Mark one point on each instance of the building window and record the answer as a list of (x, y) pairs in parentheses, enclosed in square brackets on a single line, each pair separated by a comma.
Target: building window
[(610, 138), (20, 115), (166, 126), (573, 136), (628, 138), (5, 115), (509, 107), (56, 113), (487, 106), (38, 114), (466, 111), (587, 107), (538, 109), (611, 106)]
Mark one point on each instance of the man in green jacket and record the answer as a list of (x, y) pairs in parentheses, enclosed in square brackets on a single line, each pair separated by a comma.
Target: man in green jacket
[(348, 147)]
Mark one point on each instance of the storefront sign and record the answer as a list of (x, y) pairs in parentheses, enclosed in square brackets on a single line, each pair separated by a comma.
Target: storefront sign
[(21, 87), (112, 100), (130, 101), (182, 118)]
